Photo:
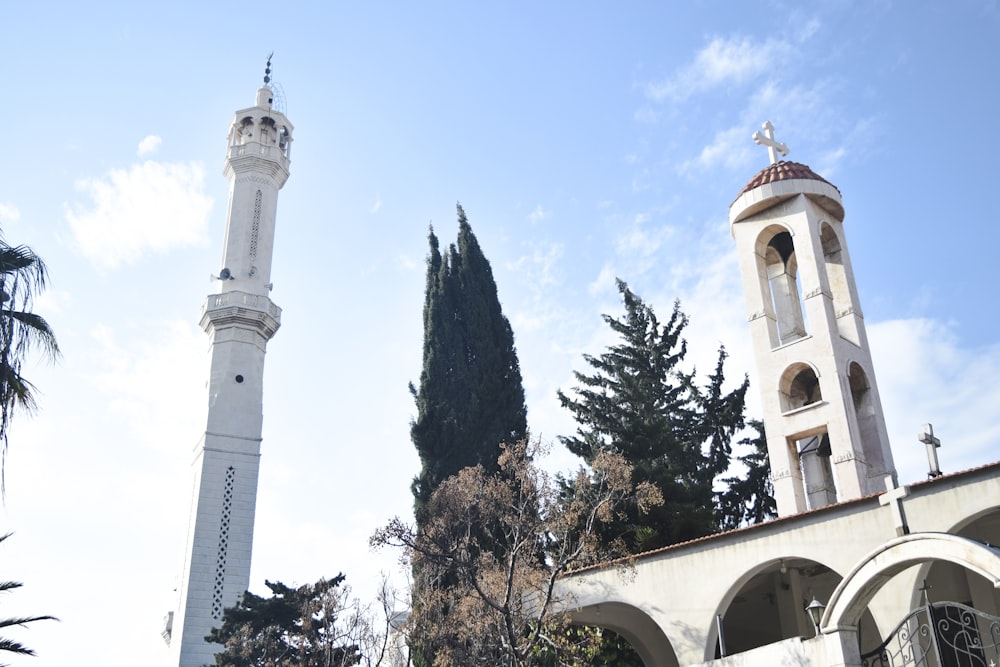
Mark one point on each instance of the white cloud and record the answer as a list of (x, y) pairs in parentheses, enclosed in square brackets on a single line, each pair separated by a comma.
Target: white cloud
[(640, 240), (409, 262), (732, 60), (154, 383), (605, 280), (810, 120), (9, 213), (646, 114), (640, 181), (731, 148), (149, 145), (807, 29), (152, 206), (537, 272), (377, 204), (924, 375), (539, 267), (538, 215)]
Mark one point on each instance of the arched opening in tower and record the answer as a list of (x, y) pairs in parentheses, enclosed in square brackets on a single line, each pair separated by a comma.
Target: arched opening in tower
[(245, 131), (786, 298), (268, 130), (814, 456), (837, 278), (799, 389), (866, 415), (284, 140)]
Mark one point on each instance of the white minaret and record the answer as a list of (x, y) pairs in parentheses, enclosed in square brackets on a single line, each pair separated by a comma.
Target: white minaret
[(239, 320), (826, 436)]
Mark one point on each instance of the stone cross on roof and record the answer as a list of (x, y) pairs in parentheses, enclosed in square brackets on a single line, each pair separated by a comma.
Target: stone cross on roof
[(893, 497), (766, 138), (933, 442)]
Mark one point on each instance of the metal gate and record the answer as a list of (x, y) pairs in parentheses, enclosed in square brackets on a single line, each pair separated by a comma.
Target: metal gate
[(942, 634)]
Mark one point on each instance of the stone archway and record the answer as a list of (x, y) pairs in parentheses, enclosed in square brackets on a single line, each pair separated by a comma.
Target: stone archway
[(635, 626), (852, 596), (767, 605), (945, 581)]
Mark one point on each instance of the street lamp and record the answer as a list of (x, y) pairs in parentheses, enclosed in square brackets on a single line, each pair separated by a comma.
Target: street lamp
[(815, 610)]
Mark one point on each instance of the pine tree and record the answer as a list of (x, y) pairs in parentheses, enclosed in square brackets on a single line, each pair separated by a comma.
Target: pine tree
[(676, 434), (749, 499), (295, 626), (470, 399)]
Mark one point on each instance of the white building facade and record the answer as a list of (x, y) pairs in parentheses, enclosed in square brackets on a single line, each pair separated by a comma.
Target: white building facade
[(901, 576), (240, 319)]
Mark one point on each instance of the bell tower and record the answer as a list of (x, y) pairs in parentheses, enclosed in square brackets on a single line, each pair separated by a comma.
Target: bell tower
[(240, 319), (826, 435)]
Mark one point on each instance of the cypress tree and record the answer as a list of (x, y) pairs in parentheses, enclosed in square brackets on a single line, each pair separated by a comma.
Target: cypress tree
[(470, 398), (676, 434)]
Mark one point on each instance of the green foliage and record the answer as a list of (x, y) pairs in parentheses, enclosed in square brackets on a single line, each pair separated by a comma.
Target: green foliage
[(295, 627), (22, 275), (749, 499), (470, 398), (589, 647), (674, 432), (10, 645)]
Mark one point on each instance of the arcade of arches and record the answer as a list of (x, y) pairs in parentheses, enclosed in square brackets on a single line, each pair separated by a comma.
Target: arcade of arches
[(755, 583)]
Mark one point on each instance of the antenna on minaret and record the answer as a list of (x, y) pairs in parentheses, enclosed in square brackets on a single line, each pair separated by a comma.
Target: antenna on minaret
[(277, 101)]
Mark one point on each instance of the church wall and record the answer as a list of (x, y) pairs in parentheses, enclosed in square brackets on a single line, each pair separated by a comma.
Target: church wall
[(788, 652), (682, 588)]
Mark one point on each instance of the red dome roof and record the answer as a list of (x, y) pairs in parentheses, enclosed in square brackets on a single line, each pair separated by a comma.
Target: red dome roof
[(783, 171), (782, 181)]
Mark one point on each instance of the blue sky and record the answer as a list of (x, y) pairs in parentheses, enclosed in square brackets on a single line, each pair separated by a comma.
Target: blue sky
[(585, 140)]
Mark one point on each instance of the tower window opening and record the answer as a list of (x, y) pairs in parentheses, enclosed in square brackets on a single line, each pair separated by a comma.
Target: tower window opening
[(815, 465), (284, 140), (799, 387), (866, 414), (839, 284), (267, 126), (786, 297), (246, 130)]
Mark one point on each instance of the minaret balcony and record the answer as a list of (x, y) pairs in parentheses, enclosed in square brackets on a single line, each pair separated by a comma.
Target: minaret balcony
[(256, 157), (241, 310)]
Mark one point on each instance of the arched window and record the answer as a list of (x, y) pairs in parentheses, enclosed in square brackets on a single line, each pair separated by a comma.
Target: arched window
[(267, 130), (866, 414), (246, 129), (836, 276), (284, 140), (799, 387), (786, 299)]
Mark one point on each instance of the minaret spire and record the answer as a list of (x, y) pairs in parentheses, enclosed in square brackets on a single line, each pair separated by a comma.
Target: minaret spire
[(240, 319)]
